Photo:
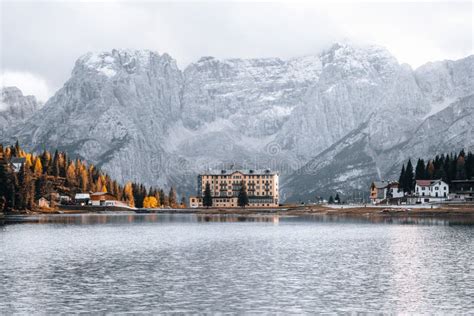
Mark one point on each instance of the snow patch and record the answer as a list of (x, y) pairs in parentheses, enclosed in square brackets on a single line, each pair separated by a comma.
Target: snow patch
[(107, 71)]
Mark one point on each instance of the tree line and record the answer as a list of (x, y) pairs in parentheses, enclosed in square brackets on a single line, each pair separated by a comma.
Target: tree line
[(47, 173), (447, 167)]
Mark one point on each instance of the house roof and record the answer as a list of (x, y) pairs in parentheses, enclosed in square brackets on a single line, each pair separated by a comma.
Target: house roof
[(381, 184), (427, 183), (423, 183), (80, 196), (243, 171)]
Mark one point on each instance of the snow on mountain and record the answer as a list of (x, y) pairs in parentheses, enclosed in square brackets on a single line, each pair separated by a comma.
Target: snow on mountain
[(354, 83), (138, 116)]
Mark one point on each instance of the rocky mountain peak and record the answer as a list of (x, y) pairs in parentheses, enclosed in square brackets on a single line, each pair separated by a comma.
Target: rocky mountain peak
[(125, 61), (13, 100), (15, 107)]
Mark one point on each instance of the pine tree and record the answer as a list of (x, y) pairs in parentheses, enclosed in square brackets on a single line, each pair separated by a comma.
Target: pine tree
[(16, 150), (42, 188), (172, 198), (55, 166), (337, 199), (7, 185), (156, 194), (409, 181), (452, 168), (63, 165), (431, 171), (207, 199), (331, 200), (46, 161), (243, 199), (26, 192), (163, 199), (469, 165), (420, 170), (401, 179), (460, 171)]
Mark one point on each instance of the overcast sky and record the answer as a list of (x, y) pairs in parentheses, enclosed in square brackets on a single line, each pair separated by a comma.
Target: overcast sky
[(41, 40)]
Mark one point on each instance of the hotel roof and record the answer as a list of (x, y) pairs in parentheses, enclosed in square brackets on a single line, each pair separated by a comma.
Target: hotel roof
[(243, 171)]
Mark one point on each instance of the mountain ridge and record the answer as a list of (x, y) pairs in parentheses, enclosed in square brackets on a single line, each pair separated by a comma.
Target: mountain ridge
[(140, 117)]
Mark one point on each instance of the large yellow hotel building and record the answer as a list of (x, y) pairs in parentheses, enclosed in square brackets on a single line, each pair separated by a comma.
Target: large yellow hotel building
[(262, 188)]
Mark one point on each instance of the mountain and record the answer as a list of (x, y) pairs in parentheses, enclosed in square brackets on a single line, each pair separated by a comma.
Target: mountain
[(349, 165), (15, 107), (344, 112), (113, 111)]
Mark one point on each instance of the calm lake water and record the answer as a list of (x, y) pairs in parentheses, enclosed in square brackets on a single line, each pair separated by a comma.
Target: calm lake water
[(190, 263)]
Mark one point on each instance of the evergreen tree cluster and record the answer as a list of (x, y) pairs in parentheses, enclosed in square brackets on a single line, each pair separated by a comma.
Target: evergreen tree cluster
[(336, 200), (46, 173), (447, 167)]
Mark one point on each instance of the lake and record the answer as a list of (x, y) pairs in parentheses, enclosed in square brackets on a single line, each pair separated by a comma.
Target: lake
[(191, 263)]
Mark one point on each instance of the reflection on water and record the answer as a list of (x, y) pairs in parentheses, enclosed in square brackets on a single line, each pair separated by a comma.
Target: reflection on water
[(160, 263), (128, 218)]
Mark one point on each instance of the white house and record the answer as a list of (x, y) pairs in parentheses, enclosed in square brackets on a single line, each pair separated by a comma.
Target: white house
[(394, 191), (82, 198), (431, 190)]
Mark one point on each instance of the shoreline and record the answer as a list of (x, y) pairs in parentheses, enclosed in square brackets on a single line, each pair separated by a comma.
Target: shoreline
[(343, 210)]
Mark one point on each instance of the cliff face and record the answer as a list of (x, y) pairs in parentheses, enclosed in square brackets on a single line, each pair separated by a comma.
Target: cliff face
[(114, 112), (15, 107), (353, 112)]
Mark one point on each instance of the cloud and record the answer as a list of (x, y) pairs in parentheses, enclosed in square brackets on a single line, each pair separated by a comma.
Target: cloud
[(28, 83), (46, 37)]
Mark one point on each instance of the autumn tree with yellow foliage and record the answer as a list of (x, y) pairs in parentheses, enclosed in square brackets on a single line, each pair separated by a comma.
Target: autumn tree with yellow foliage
[(38, 170), (150, 202)]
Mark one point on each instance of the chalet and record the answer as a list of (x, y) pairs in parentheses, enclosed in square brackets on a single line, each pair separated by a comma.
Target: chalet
[(462, 190), (82, 198), (100, 198), (383, 190), (431, 191), (16, 163)]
